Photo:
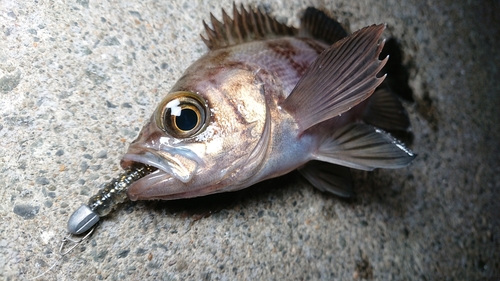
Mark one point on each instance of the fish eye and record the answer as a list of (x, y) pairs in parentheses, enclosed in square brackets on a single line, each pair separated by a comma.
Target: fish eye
[(182, 114)]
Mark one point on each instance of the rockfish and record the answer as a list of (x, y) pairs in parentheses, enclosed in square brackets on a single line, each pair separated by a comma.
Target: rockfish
[(265, 100)]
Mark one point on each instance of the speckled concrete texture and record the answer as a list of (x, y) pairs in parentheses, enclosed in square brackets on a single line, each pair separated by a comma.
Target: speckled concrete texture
[(78, 79)]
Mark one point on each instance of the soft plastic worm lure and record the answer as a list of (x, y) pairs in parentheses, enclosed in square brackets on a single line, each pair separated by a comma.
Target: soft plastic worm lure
[(113, 193)]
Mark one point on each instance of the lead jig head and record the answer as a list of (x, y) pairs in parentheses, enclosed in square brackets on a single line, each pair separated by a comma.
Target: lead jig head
[(82, 220), (85, 218)]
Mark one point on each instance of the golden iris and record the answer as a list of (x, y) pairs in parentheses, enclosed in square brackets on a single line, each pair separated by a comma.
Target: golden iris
[(182, 114)]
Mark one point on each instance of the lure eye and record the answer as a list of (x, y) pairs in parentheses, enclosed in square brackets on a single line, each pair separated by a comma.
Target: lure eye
[(182, 114)]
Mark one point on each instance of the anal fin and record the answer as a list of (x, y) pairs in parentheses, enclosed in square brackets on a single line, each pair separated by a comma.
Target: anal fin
[(363, 147), (328, 177)]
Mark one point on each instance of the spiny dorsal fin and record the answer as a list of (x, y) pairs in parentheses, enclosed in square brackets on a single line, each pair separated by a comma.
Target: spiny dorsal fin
[(318, 25), (245, 26)]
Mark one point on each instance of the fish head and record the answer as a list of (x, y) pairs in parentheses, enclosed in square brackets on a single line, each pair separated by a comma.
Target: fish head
[(206, 136)]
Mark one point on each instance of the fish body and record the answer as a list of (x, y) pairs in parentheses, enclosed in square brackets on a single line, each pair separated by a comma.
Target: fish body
[(268, 99)]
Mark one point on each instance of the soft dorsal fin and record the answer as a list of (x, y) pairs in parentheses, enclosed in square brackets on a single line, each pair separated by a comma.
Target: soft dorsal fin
[(318, 25), (245, 26), (385, 111)]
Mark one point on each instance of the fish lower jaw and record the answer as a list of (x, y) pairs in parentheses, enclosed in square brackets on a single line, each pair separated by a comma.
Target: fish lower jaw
[(153, 186), (139, 190)]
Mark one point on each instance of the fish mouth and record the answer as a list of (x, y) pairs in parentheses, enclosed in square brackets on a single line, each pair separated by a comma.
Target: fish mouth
[(170, 180)]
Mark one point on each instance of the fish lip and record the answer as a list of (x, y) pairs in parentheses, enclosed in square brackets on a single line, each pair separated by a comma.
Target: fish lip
[(130, 159), (179, 162), (176, 166), (152, 181), (146, 157)]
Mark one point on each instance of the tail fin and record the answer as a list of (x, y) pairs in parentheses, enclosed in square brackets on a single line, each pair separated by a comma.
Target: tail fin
[(363, 147)]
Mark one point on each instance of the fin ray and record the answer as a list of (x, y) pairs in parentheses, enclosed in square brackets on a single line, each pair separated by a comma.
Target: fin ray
[(363, 147), (318, 25), (328, 177), (385, 111), (245, 26), (397, 73), (340, 78)]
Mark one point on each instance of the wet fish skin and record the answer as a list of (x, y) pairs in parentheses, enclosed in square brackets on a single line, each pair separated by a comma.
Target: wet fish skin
[(270, 106)]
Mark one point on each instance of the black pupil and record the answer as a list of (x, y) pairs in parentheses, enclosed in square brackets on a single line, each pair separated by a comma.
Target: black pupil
[(187, 120)]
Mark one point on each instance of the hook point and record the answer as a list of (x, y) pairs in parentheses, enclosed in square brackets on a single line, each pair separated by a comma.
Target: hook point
[(68, 239)]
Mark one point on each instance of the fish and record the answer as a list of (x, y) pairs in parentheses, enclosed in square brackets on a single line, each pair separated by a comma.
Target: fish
[(265, 100), (268, 99)]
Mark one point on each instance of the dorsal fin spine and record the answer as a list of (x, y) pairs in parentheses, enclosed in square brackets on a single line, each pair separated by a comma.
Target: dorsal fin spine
[(216, 25), (228, 22), (243, 21), (210, 35), (245, 26), (263, 22), (255, 25)]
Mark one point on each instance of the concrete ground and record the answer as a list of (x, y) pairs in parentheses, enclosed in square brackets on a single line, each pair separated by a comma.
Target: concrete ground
[(78, 79)]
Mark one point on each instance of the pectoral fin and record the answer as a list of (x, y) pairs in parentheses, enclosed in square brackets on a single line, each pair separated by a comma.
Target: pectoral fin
[(340, 78), (363, 147), (328, 177)]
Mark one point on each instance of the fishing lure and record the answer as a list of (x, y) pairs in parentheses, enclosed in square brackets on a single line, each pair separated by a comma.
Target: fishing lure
[(265, 100)]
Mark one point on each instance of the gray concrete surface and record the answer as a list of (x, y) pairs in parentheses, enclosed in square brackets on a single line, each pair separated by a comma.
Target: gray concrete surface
[(79, 78)]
